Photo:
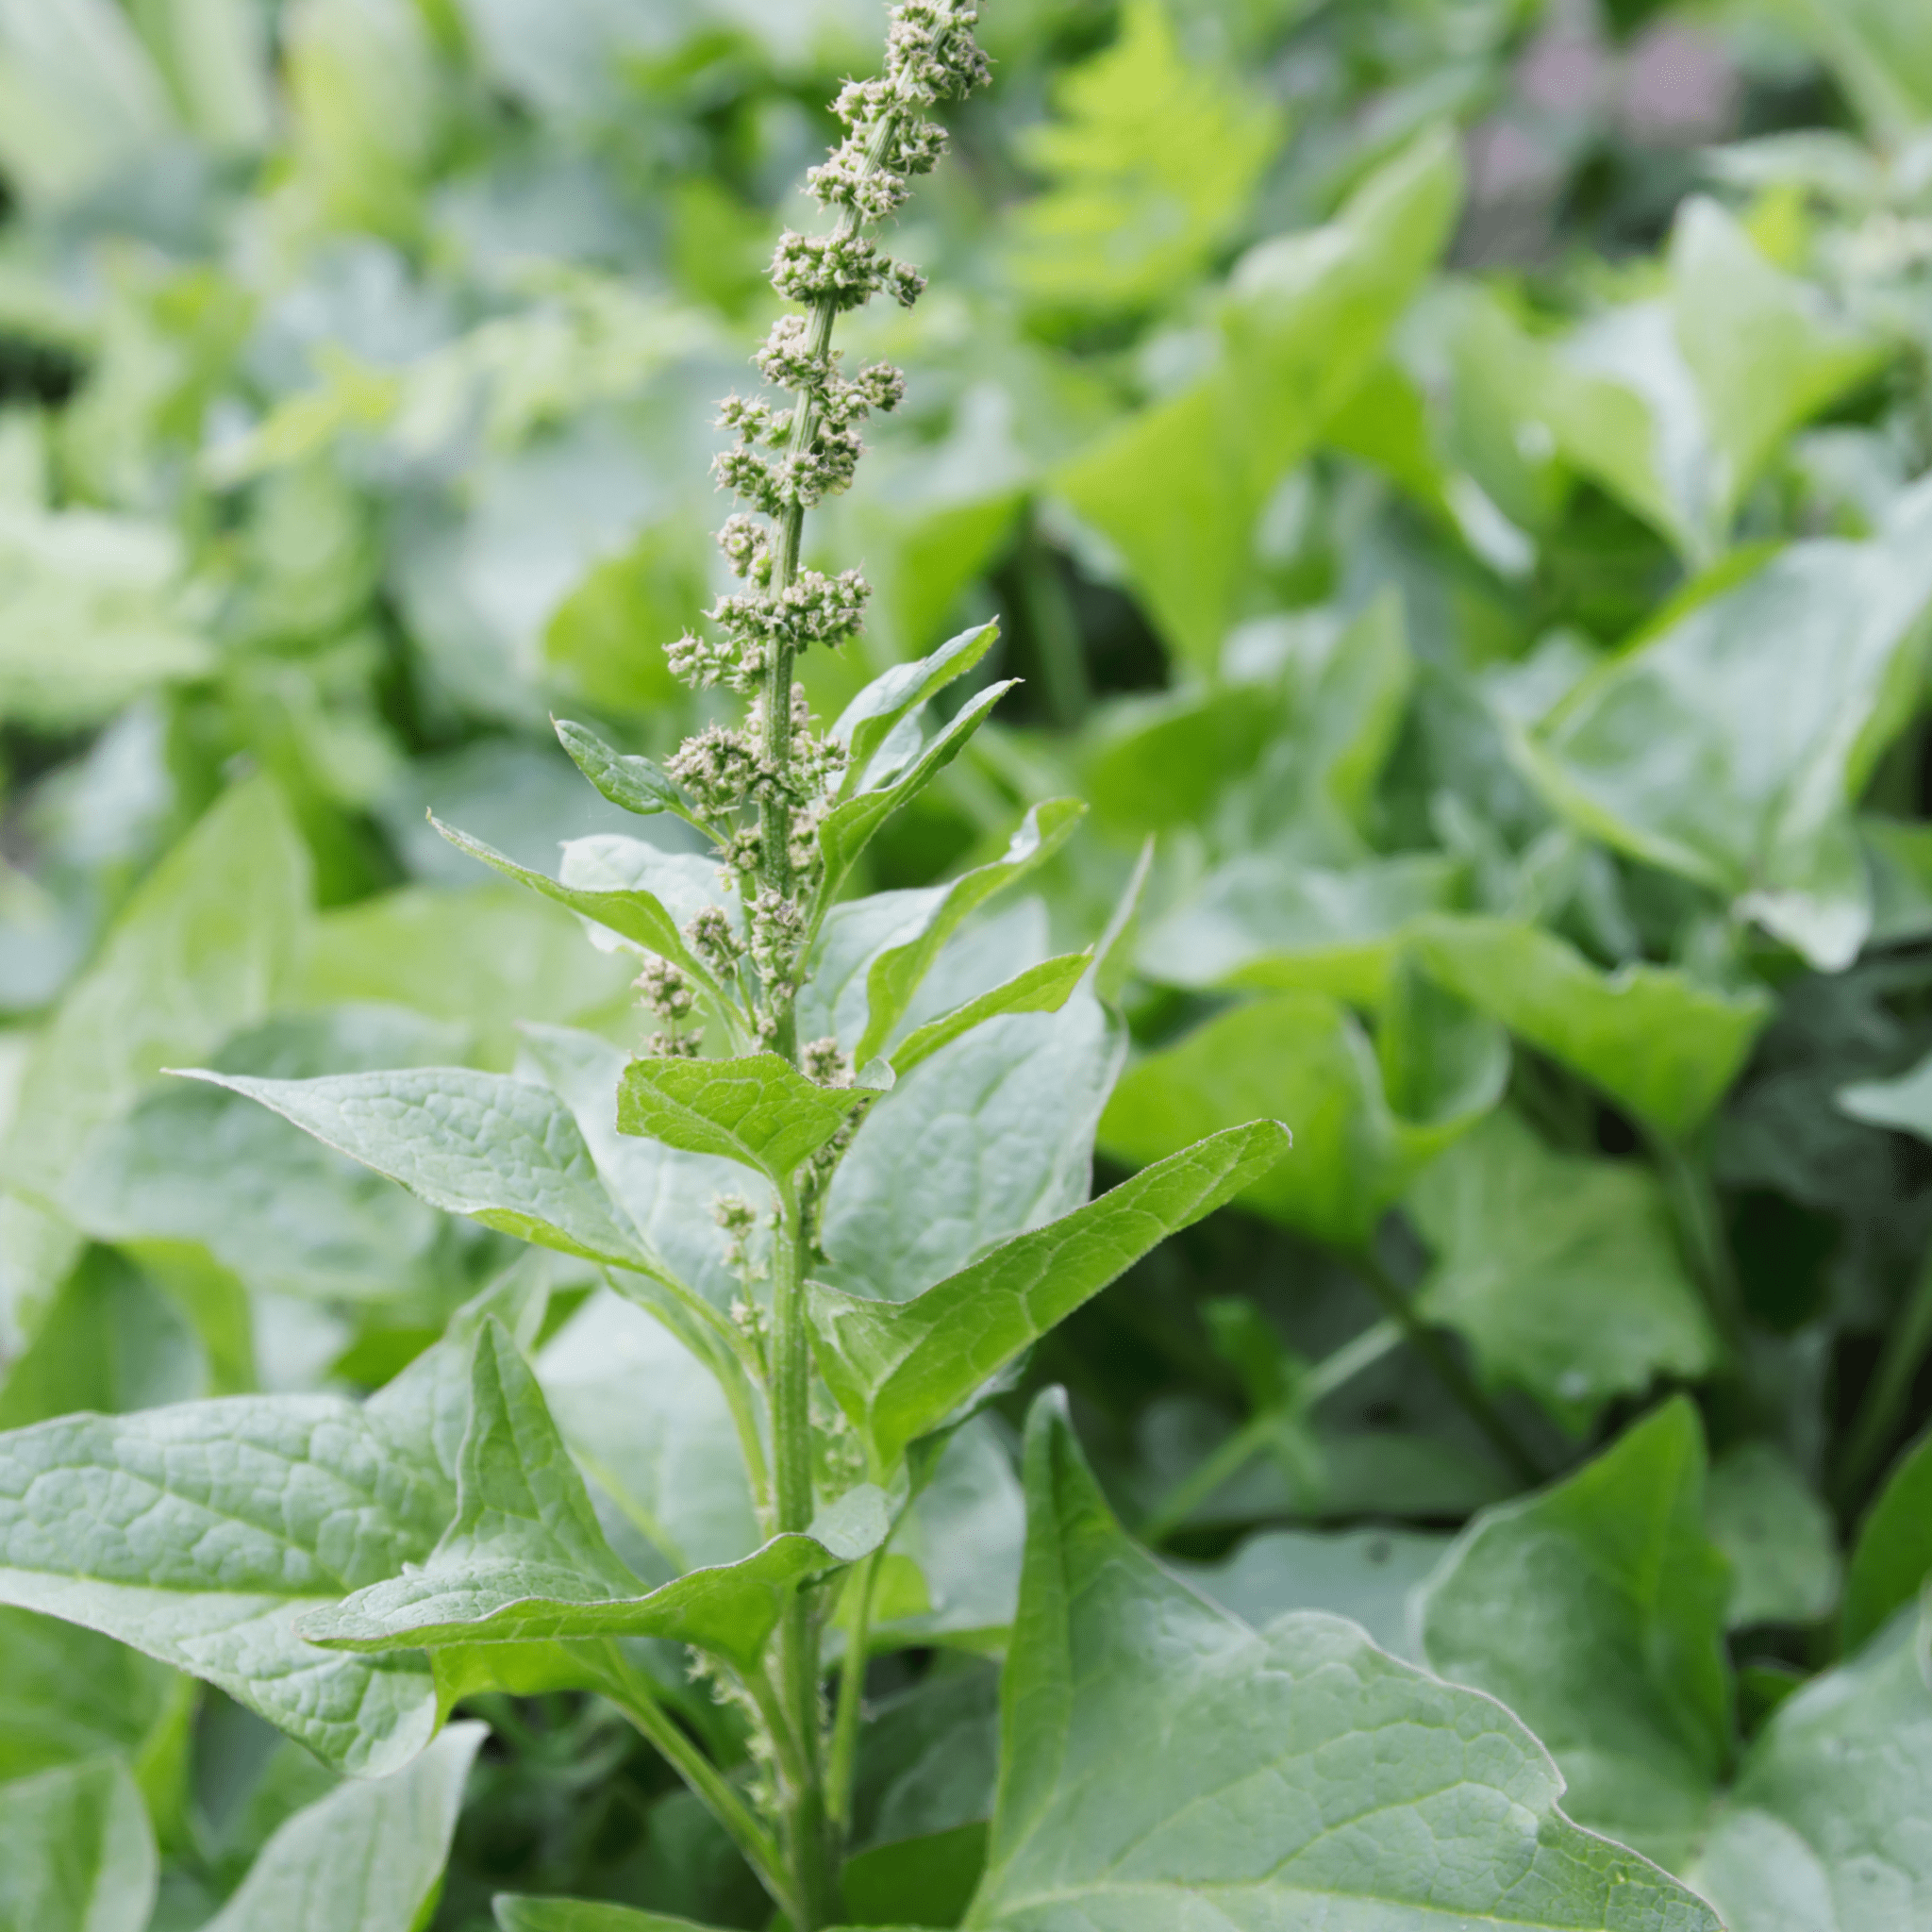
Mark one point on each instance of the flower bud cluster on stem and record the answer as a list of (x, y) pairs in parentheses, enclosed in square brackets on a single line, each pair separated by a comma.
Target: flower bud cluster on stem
[(766, 784)]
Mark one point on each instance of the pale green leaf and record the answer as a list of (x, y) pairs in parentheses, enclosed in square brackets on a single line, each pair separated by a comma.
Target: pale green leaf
[(197, 1534), (1366, 1576), (584, 1915), (1563, 1273), (759, 1110), (1893, 1556), (489, 957), (502, 1151), (899, 1369), (631, 911), (1177, 487), (1042, 989), (1164, 1765), (67, 1694), (1729, 746), (368, 1858), (1269, 922), (1824, 1829), (1778, 1536), (77, 1851), (651, 1427), (869, 719), (1595, 1610), (525, 1560), (1149, 160), (991, 1135), (207, 944)]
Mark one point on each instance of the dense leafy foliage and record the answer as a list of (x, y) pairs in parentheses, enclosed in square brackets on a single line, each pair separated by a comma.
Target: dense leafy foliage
[(1260, 1256)]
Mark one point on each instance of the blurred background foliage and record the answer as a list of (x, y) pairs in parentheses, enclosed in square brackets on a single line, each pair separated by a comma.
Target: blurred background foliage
[(1371, 419)]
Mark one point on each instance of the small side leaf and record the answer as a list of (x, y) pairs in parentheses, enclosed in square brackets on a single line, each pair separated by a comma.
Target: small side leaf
[(1892, 1557), (847, 828), (867, 721), (898, 1369), (758, 1110), (631, 782), (502, 1151), (634, 913), (1042, 989)]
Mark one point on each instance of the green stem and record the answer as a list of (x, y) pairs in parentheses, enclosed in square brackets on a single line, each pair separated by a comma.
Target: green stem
[(1699, 1233), (1233, 1456), (851, 1698), (1899, 1361), (1448, 1371), (634, 1696)]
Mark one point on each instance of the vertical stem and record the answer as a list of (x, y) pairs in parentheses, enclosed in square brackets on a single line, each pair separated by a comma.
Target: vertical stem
[(1879, 1414), (1449, 1372), (808, 1847), (851, 1699)]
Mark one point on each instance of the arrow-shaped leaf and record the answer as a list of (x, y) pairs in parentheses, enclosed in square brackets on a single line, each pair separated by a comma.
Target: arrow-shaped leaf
[(898, 1369), (867, 721)]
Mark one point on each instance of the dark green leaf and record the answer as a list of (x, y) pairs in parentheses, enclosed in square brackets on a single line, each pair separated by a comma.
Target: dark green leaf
[(1563, 1273), (1893, 1556)]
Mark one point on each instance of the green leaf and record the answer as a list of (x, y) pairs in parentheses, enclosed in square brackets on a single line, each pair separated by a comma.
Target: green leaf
[(1177, 487), (1042, 989), (67, 1695), (637, 784), (1269, 922), (1766, 353), (651, 1427), (898, 1369), (928, 1763), (1595, 1610), (488, 956), (197, 1534), (207, 944), (1824, 1827), (502, 1151), (987, 1136), (1301, 1055), (1728, 746), (1650, 1037), (368, 1858), (629, 910), (666, 1192), (869, 719), (873, 954), (1149, 160), (525, 1560), (580, 1915), (1903, 1104), (1563, 1273), (255, 1195), (896, 974), (1893, 1556), (1162, 1764), (758, 1110), (1779, 1538), (76, 1853), (1366, 1576), (846, 831)]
